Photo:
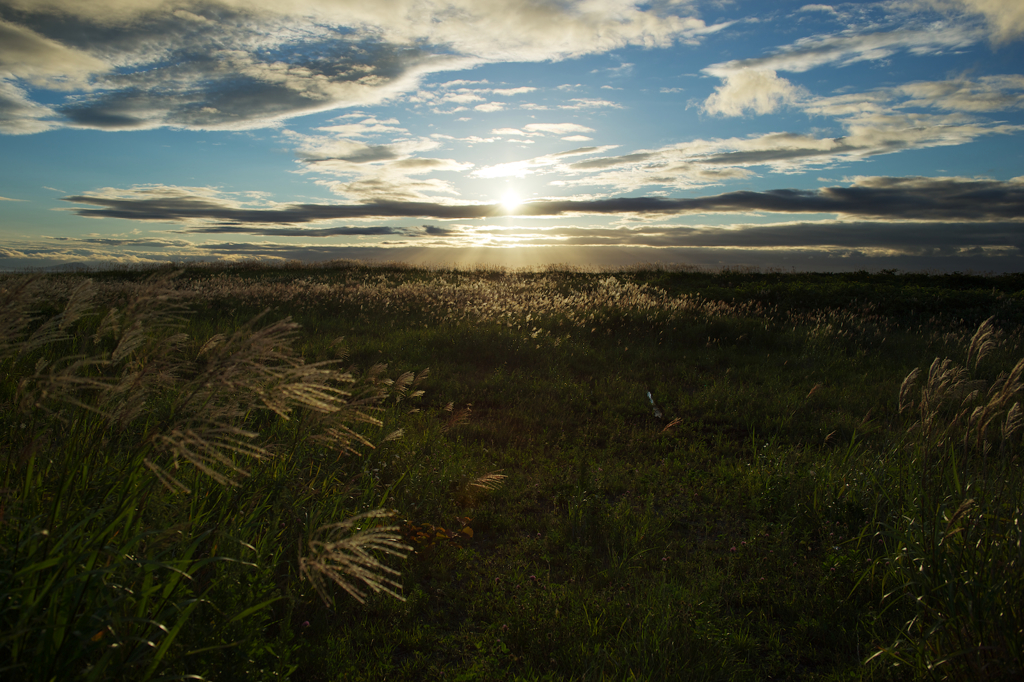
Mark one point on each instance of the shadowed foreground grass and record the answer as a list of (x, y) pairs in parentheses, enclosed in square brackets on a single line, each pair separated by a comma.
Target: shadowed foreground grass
[(650, 474)]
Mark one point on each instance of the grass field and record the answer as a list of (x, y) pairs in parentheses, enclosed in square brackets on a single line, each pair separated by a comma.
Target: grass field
[(355, 472)]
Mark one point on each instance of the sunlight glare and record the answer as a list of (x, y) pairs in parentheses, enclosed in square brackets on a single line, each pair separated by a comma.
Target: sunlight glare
[(510, 201)]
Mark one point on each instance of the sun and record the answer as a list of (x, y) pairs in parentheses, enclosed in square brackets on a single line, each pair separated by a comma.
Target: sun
[(510, 201)]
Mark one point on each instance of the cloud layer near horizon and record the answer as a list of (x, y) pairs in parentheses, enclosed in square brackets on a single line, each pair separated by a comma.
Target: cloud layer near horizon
[(902, 198), (876, 217)]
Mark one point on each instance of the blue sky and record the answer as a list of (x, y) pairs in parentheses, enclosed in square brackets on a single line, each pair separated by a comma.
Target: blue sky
[(784, 135)]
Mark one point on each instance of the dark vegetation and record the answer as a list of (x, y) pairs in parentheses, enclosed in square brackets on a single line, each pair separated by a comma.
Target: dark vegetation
[(648, 474)]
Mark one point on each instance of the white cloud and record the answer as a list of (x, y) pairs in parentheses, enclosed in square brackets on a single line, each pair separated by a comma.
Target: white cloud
[(541, 129), (818, 8), (519, 30), (876, 133), (242, 64), (388, 185), (988, 93), (509, 92), (590, 103), (490, 107), (25, 54), (462, 97), (371, 172), (448, 93), (557, 128), (623, 69), (541, 164), (754, 84), (469, 139), (886, 119), (845, 49), (757, 90), (368, 126), (21, 116), (1005, 18), (873, 127), (513, 169)]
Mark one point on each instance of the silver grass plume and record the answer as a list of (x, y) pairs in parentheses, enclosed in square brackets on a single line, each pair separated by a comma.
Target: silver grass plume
[(950, 402), (983, 342), (491, 481), (337, 555)]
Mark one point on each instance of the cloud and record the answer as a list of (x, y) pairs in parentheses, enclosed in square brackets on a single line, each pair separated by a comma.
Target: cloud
[(509, 92), (754, 84), (546, 163), (908, 223), (988, 93), (349, 152), (539, 129), (623, 69), (912, 198), (455, 93), (845, 49), (821, 236), (590, 103), (464, 97), (236, 90), (437, 231), (367, 127), (1005, 18), (243, 64), (21, 116), (985, 94), (880, 222), (759, 90), (306, 233), (9, 199), (881, 133), (506, 31), (687, 165), (605, 253), (46, 63), (375, 172), (818, 8), (148, 242), (882, 121), (557, 128)]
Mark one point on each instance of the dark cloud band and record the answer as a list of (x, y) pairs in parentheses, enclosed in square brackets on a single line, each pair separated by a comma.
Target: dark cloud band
[(886, 198)]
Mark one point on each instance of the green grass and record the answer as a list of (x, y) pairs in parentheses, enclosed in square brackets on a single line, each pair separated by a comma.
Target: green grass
[(172, 470)]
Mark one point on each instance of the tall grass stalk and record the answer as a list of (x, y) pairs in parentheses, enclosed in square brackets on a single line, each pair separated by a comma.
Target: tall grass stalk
[(944, 538), (123, 436)]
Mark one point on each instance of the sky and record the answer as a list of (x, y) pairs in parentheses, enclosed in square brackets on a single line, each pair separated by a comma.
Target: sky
[(522, 133)]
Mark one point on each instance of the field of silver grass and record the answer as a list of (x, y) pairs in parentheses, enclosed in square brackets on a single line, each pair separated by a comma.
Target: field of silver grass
[(188, 486)]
